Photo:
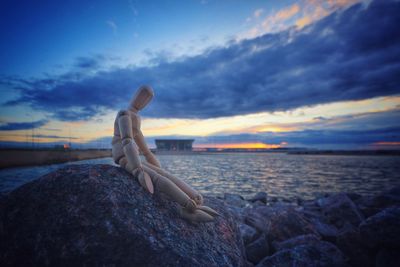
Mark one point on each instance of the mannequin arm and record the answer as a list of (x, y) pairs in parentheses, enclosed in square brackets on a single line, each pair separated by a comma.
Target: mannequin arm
[(130, 151), (139, 139)]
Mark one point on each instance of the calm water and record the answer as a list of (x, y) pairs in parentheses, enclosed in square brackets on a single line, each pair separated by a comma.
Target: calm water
[(280, 175)]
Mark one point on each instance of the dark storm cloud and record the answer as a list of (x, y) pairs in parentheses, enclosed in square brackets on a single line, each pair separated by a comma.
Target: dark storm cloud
[(13, 126), (53, 136), (93, 62), (349, 55), (88, 62)]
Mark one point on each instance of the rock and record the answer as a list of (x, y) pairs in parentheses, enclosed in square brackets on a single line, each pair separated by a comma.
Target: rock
[(248, 233), (260, 196), (353, 196), (372, 205), (99, 215), (255, 219), (236, 212), (316, 254), (382, 229), (235, 200), (311, 206), (258, 249), (279, 223), (258, 203), (350, 243), (339, 208), (296, 241), (328, 232), (388, 258)]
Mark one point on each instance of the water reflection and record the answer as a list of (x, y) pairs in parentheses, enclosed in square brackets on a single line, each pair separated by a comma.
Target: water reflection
[(280, 175)]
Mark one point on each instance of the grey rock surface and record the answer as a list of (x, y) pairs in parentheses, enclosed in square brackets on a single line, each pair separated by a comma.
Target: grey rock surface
[(374, 204), (350, 243), (323, 254), (258, 249), (382, 229), (248, 233), (99, 215), (388, 258), (280, 223), (339, 209), (296, 241), (328, 232), (260, 196), (234, 200)]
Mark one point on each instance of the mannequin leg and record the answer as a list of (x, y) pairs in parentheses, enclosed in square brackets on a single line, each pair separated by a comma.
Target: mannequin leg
[(193, 194), (190, 210)]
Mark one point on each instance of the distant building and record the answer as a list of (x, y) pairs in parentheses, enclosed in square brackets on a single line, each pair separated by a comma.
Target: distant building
[(174, 144), (62, 147)]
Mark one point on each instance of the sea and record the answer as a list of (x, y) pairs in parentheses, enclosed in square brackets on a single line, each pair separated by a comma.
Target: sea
[(282, 176)]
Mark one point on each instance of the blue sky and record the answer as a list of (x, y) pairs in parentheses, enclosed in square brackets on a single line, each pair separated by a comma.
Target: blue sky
[(310, 73)]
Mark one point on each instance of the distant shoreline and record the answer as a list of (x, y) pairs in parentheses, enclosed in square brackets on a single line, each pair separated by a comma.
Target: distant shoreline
[(34, 157), (347, 152)]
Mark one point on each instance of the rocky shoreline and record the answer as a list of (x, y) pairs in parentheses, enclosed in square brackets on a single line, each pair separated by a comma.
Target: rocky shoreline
[(99, 215), (337, 229)]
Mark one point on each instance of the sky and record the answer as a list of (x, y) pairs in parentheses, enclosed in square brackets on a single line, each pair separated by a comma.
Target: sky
[(258, 74)]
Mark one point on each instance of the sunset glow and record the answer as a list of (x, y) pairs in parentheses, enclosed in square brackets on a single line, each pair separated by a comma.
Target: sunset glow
[(387, 144), (242, 145)]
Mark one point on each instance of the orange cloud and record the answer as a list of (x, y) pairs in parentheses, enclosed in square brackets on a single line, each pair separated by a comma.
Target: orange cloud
[(317, 9), (287, 13), (384, 143), (303, 21), (341, 3), (276, 21)]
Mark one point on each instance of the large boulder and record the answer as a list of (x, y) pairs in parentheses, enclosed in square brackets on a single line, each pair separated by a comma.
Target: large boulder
[(296, 241), (323, 254), (350, 243), (328, 232), (99, 215), (260, 196), (248, 233), (382, 229), (388, 258), (279, 223), (258, 249), (235, 200), (371, 205), (339, 209)]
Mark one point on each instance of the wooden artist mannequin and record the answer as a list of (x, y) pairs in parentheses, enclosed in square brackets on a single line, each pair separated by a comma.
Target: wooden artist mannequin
[(128, 138)]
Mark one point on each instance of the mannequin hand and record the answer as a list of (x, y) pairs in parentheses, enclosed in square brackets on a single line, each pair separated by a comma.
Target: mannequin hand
[(144, 180)]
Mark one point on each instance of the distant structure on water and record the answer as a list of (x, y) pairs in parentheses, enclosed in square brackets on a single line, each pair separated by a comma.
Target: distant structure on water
[(174, 144)]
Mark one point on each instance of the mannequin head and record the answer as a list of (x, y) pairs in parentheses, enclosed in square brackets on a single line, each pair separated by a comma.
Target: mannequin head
[(141, 98)]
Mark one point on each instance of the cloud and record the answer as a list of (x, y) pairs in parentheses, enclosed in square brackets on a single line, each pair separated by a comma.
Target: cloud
[(93, 62), (348, 55), (15, 126), (53, 136), (338, 3), (133, 8), (112, 25), (257, 13), (323, 139), (42, 136), (288, 12), (276, 21), (347, 139)]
